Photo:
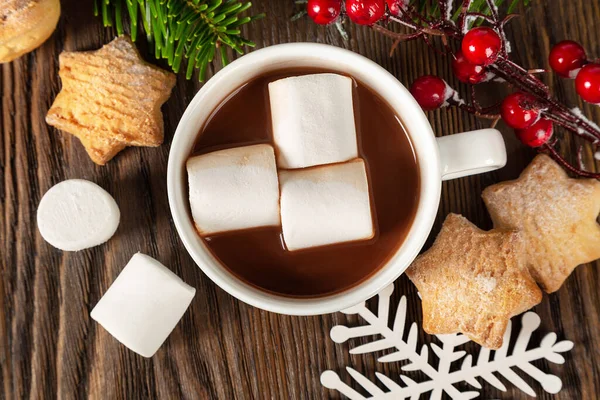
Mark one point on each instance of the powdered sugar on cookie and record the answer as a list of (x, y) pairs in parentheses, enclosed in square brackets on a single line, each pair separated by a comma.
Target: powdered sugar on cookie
[(556, 214), (472, 281)]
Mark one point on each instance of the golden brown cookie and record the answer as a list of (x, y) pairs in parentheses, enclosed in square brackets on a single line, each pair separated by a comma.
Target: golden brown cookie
[(111, 99), (25, 25), (556, 214), (472, 281)]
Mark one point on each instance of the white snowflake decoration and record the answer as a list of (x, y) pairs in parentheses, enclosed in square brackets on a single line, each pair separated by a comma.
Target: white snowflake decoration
[(441, 379)]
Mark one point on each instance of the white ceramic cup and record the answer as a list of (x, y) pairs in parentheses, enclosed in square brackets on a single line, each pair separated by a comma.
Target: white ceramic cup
[(439, 159)]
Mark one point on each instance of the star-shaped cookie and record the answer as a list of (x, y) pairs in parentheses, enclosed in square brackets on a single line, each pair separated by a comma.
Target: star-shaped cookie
[(472, 281), (111, 99), (556, 214)]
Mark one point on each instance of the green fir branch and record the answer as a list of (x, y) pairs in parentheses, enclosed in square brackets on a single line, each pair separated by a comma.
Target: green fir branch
[(194, 30)]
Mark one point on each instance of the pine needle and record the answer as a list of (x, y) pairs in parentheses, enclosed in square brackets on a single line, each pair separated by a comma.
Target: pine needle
[(180, 30)]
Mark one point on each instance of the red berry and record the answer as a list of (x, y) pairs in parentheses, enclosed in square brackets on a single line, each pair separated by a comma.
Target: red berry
[(537, 134), (519, 110), (430, 92), (324, 12), (365, 12), (587, 83), (467, 72), (481, 45), (396, 6), (566, 58)]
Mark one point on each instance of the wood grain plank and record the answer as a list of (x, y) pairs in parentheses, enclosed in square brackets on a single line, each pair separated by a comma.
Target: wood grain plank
[(222, 348)]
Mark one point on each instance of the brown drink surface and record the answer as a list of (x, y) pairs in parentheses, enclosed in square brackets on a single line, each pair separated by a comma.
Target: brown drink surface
[(258, 256)]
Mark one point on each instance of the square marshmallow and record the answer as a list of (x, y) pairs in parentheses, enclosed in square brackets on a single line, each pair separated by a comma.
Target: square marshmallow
[(143, 305), (313, 120), (234, 189), (325, 205)]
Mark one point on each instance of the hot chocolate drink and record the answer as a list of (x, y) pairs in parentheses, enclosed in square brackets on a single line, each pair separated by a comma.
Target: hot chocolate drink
[(259, 256)]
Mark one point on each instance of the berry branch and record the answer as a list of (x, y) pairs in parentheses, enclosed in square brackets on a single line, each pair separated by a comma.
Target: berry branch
[(484, 55)]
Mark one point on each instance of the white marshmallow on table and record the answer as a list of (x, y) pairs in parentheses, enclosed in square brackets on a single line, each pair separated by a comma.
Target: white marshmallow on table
[(325, 205), (234, 189), (313, 120), (77, 214), (143, 305)]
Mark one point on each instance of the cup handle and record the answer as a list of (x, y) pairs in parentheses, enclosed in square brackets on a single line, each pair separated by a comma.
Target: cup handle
[(471, 153)]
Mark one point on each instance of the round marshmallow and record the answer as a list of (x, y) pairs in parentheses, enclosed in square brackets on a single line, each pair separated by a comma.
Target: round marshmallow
[(77, 214)]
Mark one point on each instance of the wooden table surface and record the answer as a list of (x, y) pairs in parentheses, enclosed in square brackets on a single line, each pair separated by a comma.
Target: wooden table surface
[(223, 348)]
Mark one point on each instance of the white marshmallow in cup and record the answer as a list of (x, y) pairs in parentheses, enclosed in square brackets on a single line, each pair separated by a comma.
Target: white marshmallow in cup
[(143, 305), (234, 189), (313, 120), (325, 205)]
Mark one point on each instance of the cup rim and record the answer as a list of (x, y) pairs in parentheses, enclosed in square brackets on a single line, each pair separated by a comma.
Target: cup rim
[(379, 80)]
